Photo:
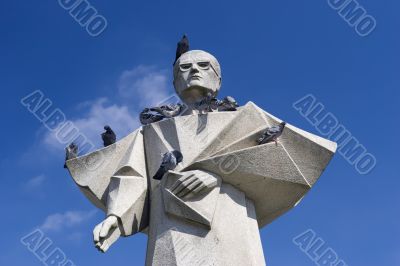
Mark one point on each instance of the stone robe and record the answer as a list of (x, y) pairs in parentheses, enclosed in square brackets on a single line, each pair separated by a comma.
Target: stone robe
[(252, 184)]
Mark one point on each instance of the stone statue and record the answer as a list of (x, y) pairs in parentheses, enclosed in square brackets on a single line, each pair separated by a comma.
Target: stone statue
[(209, 209)]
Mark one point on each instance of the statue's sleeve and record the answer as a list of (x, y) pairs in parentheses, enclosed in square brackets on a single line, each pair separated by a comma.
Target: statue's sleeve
[(127, 199), (114, 179)]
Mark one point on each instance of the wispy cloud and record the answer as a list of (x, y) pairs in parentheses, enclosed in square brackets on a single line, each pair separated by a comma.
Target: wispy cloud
[(58, 221), (34, 183)]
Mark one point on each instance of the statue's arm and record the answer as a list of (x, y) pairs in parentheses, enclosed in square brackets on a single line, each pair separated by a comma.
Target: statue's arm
[(127, 210), (114, 179)]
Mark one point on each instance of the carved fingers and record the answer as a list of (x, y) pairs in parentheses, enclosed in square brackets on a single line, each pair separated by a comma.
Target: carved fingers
[(191, 184), (103, 231)]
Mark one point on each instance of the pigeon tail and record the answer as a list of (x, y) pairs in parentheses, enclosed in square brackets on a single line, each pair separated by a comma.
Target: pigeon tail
[(160, 173)]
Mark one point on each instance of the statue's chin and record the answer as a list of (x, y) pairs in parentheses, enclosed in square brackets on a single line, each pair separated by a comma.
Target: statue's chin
[(194, 94)]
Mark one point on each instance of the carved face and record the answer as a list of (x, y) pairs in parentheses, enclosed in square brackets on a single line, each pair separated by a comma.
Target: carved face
[(196, 73)]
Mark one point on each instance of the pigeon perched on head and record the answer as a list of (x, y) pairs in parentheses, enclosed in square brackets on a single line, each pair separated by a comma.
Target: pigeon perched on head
[(169, 161), (182, 47), (71, 152), (228, 104), (272, 134), (108, 136)]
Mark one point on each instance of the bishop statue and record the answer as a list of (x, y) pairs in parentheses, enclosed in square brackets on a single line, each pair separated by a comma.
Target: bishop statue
[(228, 185)]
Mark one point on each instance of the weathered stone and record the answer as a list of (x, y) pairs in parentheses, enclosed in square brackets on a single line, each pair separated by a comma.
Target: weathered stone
[(209, 209)]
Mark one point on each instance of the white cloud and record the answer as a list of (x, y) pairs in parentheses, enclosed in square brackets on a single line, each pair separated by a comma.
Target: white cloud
[(58, 221), (147, 84), (141, 86), (91, 124)]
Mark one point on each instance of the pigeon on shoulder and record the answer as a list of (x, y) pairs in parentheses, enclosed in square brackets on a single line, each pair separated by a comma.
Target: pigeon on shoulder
[(228, 104), (155, 114), (169, 110), (208, 104), (147, 116)]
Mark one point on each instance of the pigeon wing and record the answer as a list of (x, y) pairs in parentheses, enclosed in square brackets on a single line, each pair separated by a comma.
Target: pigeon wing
[(273, 130)]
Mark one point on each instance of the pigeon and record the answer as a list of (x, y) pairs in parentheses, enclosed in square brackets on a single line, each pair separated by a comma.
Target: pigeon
[(272, 134), (147, 117), (207, 104), (168, 111), (214, 104), (228, 104), (71, 152), (155, 114), (108, 136), (182, 47), (169, 161)]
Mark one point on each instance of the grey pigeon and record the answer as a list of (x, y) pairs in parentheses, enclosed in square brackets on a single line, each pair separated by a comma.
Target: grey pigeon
[(228, 104), (182, 47), (272, 134), (108, 136), (155, 114), (147, 116), (71, 152), (169, 161), (168, 111)]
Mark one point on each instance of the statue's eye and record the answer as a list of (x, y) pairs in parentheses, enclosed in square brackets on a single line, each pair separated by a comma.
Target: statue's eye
[(185, 67), (204, 65)]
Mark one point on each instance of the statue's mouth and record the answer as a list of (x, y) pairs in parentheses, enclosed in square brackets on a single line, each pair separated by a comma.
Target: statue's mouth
[(197, 77)]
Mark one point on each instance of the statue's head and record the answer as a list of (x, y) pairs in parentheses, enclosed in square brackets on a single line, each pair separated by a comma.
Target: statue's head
[(196, 73)]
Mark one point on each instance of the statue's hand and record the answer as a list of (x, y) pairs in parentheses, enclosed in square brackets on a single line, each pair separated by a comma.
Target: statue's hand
[(191, 184), (106, 233)]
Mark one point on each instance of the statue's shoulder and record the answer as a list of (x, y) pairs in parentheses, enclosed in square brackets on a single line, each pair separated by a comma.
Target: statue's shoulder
[(251, 107), (249, 104)]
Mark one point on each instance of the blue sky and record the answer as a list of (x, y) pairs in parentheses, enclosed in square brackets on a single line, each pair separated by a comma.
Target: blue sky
[(271, 52)]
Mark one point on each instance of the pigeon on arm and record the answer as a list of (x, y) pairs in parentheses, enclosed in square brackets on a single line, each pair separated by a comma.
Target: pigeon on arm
[(108, 136), (71, 152)]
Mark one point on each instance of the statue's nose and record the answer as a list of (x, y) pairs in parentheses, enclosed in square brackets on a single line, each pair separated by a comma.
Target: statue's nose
[(194, 68)]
